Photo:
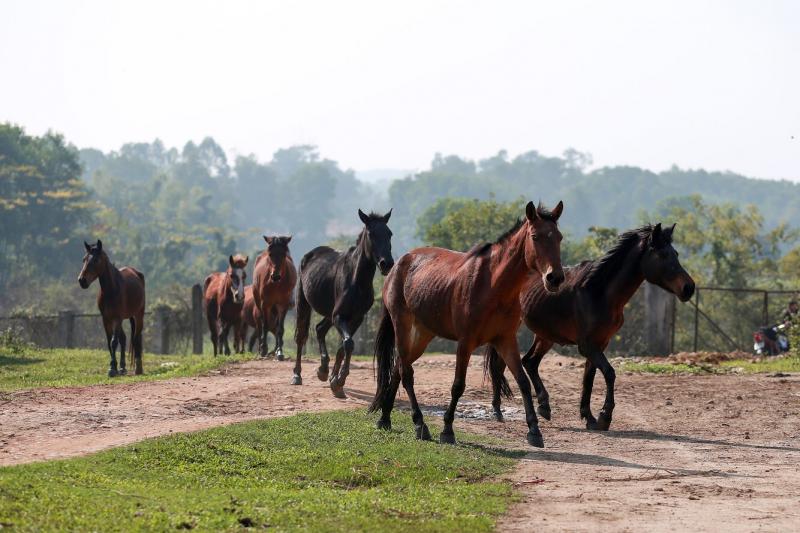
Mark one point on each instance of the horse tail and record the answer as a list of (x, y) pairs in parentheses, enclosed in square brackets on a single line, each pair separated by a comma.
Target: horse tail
[(385, 358), (303, 318), (490, 370)]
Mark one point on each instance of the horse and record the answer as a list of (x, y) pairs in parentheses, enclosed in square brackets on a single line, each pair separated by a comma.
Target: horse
[(251, 318), (588, 311), (121, 296), (471, 298), (274, 278), (338, 286), (223, 295)]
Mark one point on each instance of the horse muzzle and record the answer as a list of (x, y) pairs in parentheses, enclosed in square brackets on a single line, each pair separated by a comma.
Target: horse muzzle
[(553, 280), (686, 292), (83, 283), (385, 266)]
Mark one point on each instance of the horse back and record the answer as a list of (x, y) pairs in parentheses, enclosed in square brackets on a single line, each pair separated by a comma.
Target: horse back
[(318, 274)]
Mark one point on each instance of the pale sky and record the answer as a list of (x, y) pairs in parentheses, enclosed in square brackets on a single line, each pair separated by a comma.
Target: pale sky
[(387, 84)]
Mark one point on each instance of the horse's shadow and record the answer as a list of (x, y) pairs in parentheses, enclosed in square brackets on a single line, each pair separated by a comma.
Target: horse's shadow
[(652, 435)]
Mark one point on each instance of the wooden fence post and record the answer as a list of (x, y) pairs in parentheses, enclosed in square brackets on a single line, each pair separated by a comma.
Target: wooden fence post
[(162, 325), (66, 326), (658, 311), (197, 319)]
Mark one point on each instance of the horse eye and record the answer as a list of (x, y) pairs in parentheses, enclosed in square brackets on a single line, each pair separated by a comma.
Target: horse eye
[(535, 237)]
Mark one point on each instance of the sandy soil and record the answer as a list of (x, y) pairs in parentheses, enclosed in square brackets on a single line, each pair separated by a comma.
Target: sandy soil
[(697, 453)]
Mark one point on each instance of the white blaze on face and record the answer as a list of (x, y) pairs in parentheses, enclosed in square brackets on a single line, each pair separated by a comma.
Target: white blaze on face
[(236, 282)]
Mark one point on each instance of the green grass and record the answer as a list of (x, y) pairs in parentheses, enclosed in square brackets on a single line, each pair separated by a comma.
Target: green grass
[(34, 367), (787, 364), (321, 472)]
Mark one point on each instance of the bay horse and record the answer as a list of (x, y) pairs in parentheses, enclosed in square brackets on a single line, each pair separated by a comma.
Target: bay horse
[(121, 296), (589, 310), (274, 278), (471, 298), (223, 296), (251, 318), (338, 286)]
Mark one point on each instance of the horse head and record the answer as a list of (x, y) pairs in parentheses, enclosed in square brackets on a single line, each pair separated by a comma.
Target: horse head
[(376, 239), (236, 265), (543, 248), (661, 267), (95, 263), (277, 250)]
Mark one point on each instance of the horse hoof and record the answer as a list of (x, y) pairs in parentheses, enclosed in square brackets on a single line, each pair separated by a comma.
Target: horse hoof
[(498, 415), (297, 380), (603, 422), (112, 372), (279, 356), (122, 372), (535, 439), (383, 424), (544, 411), (447, 438), (423, 433), (338, 391), (591, 423), (322, 375)]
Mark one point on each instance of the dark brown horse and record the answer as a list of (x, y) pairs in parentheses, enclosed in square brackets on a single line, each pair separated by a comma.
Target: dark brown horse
[(223, 293), (274, 278), (121, 296), (588, 311), (338, 286), (472, 298), (251, 318)]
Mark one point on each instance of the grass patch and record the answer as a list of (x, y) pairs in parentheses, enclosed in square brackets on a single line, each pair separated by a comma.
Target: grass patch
[(747, 366), (34, 367), (321, 472)]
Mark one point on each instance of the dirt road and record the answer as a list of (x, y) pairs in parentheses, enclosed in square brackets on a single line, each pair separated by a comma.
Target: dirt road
[(685, 452)]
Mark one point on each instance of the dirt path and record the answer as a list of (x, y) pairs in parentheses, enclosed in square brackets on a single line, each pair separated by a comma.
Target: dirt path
[(685, 453)]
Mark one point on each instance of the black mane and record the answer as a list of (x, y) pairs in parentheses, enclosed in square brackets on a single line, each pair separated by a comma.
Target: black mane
[(482, 248), (598, 272)]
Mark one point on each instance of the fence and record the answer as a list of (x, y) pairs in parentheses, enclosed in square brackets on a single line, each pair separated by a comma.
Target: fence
[(716, 319)]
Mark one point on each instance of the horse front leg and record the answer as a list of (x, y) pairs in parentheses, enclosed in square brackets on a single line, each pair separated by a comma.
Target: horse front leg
[(224, 338), (112, 347), (509, 351), (531, 362), (279, 333), (346, 328), (322, 329), (263, 346), (463, 354), (598, 360), (119, 335)]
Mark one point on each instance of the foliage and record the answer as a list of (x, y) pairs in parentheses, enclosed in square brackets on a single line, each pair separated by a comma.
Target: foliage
[(322, 472), (748, 366), (25, 367), (459, 224), (12, 341)]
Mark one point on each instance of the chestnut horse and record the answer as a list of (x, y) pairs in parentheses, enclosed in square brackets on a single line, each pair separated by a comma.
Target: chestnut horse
[(121, 296), (223, 294), (251, 318), (472, 298), (588, 311), (274, 278), (338, 286)]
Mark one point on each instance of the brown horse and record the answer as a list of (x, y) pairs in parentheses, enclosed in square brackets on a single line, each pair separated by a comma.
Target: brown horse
[(223, 293), (588, 311), (251, 318), (121, 296), (472, 298), (274, 278)]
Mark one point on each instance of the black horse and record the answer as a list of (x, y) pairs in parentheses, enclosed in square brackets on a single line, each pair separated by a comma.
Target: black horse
[(588, 311), (338, 286)]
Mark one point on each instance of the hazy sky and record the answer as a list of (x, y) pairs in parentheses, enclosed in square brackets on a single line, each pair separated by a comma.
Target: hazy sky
[(386, 84)]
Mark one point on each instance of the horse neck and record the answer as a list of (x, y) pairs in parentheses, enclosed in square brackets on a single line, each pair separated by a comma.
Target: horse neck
[(365, 267), (227, 283), (110, 279), (626, 281), (509, 269)]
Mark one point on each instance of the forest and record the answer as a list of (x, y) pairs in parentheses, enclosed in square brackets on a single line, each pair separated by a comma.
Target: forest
[(177, 213)]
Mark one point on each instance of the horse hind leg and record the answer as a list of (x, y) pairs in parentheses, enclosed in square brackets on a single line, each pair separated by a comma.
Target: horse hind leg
[(589, 371), (411, 344), (509, 351), (137, 325)]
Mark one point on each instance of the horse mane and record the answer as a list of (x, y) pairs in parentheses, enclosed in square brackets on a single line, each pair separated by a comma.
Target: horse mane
[(482, 248), (598, 271)]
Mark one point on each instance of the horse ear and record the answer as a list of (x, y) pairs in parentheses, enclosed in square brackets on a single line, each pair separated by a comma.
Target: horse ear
[(557, 210), (268, 240), (530, 211), (99, 245), (230, 260), (668, 232), (655, 237), (364, 218), (246, 259), (87, 246), (287, 239), (387, 216)]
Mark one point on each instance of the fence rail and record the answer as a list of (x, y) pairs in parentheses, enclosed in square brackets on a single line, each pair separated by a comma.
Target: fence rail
[(716, 319)]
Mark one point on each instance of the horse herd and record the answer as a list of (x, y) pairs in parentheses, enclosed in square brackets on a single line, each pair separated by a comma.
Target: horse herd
[(475, 298)]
